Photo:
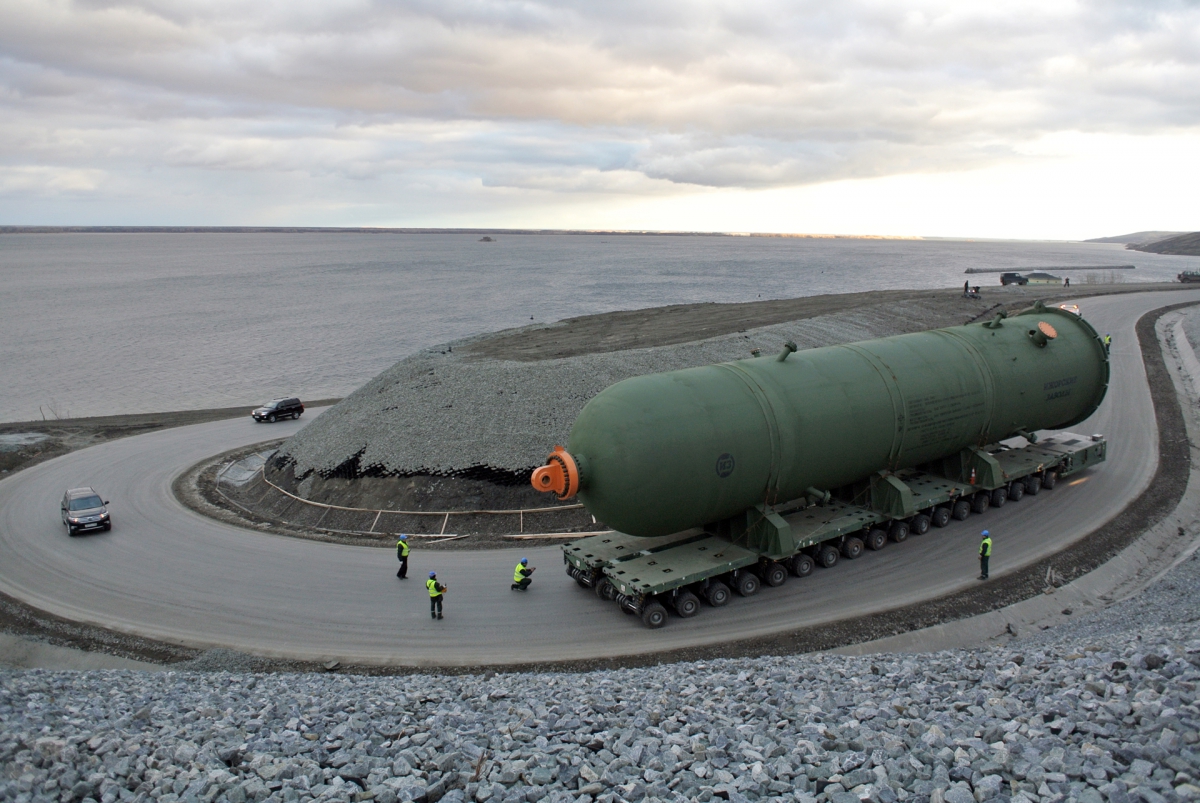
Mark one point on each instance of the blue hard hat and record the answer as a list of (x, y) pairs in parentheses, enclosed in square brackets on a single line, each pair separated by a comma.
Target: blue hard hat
[(985, 532), (403, 537), (433, 574), (524, 560)]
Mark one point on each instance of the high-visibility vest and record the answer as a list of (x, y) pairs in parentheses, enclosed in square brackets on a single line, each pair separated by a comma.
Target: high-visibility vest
[(985, 548), (432, 585), (402, 548), (517, 575)]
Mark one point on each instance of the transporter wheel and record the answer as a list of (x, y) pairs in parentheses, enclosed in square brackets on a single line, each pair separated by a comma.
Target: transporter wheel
[(802, 565), (962, 509), (981, 501), (686, 604), (999, 497), (1049, 480), (1016, 489), (852, 548), (1033, 484), (941, 517), (605, 590), (654, 615), (717, 594), (898, 532), (747, 584), (774, 574), (580, 582), (919, 524), (877, 539), (827, 557)]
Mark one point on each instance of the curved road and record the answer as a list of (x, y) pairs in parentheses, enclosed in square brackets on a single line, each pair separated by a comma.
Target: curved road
[(167, 573)]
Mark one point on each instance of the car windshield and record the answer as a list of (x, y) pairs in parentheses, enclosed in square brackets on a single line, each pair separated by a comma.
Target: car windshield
[(86, 503), (271, 405)]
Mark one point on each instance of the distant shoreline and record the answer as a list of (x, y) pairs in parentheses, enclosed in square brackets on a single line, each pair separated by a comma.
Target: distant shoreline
[(372, 230)]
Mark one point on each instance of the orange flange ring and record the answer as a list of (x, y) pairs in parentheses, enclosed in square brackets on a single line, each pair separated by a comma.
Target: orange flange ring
[(560, 475), (1047, 329)]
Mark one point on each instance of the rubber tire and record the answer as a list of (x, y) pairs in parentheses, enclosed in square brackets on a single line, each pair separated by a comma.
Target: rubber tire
[(919, 525), (941, 517), (717, 594), (71, 531), (898, 532), (852, 548), (802, 565), (981, 501), (654, 615), (271, 418), (295, 416), (1049, 480), (579, 582), (877, 539), (605, 590), (686, 604), (827, 557), (1016, 489), (747, 584), (962, 509), (1033, 485), (774, 574), (999, 497)]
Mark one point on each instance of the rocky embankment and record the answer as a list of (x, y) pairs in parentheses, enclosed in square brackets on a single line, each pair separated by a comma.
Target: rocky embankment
[(1101, 711)]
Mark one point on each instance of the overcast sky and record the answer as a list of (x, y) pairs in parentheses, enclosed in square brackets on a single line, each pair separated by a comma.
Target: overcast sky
[(1042, 119)]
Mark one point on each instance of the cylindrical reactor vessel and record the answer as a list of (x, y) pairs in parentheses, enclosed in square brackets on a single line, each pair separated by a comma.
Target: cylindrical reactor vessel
[(660, 453)]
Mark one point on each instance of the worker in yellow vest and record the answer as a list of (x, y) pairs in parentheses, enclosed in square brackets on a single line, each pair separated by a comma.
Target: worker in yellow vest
[(436, 590), (402, 556), (985, 553), (522, 575)]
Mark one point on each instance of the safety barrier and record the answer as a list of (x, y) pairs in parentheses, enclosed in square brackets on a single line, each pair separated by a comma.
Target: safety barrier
[(441, 535)]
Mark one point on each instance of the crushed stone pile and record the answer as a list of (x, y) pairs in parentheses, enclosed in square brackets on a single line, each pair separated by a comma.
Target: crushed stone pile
[(1103, 710), (450, 412)]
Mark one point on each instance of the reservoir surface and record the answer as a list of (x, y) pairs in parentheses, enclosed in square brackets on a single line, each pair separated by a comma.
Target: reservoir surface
[(99, 324)]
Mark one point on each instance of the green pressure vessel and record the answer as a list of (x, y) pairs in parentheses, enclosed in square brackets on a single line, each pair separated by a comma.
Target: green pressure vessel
[(657, 454)]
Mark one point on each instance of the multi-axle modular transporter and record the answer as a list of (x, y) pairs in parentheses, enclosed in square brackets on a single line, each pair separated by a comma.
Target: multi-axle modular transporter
[(722, 478)]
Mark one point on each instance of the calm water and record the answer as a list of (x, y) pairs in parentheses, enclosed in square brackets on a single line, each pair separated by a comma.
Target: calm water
[(96, 324)]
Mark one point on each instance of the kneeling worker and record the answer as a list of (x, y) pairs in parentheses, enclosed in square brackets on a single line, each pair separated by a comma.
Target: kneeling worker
[(436, 590), (522, 575)]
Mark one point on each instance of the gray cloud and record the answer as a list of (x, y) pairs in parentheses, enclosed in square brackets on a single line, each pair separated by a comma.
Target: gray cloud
[(359, 100)]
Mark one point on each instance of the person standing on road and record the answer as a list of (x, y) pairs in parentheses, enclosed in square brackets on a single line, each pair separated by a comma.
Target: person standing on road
[(402, 556), (522, 576), (436, 590), (985, 552), (1107, 342)]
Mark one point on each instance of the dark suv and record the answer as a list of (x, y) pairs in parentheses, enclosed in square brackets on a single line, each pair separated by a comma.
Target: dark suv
[(1013, 278), (278, 408), (83, 509)]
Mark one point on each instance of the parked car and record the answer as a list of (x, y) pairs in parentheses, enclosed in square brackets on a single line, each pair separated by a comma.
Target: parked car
[(83, 509), (1072, 308), (1012, 278), (278, 408)]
